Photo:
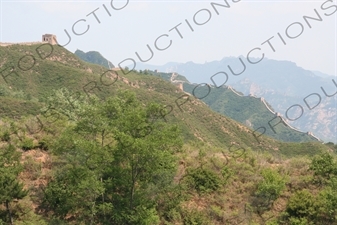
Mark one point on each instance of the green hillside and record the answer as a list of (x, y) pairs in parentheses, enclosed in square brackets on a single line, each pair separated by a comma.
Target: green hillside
[(64, 70), (248, 110), (80, 145)]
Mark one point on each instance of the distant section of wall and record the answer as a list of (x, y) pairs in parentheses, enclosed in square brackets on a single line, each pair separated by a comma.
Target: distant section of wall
[(276, 114), (179, 86), (46, 38), (21, 43)]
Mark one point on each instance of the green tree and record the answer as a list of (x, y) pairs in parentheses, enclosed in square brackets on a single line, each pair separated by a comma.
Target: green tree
[(324, 167), (74, 191), (268, 190), (77, 183), (143, 158), (301, 205), (272, 184), (320, 209), (10, 188), (326, 203), (326, 206), (113, 163), (204, 180), (66, 103)]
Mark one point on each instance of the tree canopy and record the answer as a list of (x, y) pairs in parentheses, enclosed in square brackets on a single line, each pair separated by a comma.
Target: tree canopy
[(116, 158)]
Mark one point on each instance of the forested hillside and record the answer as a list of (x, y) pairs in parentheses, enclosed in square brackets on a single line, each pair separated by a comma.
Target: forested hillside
[(83, 145)]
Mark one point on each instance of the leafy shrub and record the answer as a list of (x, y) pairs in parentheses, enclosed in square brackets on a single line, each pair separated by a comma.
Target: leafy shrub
[(304, 208), (195, 218), (56, 221), (43, 145), (272, 222), (5, 136), (326, 205), (272, 184), (268, 190), (324, 167), (27, 144), (204, 180), (144, 216), (173, 215), (216, 213), (301, 205), (226, 173), (299, 221)]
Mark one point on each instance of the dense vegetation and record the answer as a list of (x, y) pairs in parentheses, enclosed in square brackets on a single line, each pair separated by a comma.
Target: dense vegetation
[(127, 154)]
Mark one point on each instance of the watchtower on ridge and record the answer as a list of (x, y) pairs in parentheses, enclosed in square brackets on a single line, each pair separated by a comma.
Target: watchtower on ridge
[(50, 38)]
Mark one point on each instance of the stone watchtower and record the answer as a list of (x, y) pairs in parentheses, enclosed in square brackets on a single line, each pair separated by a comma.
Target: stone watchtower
[(50, 38)]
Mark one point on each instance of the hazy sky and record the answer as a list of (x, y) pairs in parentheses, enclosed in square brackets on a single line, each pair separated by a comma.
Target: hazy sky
[(234, 31)]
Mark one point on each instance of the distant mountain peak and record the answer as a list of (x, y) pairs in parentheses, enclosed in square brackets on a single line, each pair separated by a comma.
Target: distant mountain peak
[(95, 58)]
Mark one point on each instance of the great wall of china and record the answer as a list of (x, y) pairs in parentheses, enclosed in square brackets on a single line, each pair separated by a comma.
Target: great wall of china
[(4, 44), (276, 114), (51, 39), (46, 38), (180, 83)]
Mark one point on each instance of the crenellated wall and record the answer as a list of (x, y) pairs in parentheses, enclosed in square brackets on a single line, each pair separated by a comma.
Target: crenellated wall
[(21, 43), (46, 38)]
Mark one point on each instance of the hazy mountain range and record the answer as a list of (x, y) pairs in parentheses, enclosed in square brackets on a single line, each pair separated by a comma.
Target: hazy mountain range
[(282, 83)]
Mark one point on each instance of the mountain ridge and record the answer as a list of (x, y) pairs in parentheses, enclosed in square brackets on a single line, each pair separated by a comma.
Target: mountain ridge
[(215, 106), (281, 83)]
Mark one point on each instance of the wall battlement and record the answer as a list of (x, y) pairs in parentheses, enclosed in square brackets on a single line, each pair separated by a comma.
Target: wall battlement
[(20, 43), (46, 38)]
